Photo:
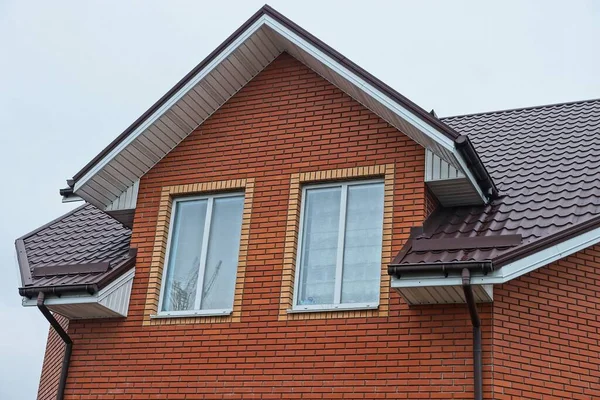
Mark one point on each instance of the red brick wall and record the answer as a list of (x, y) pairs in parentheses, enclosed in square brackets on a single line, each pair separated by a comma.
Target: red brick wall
[(287, 120), (55, 350), (431, 202), (547, 331)]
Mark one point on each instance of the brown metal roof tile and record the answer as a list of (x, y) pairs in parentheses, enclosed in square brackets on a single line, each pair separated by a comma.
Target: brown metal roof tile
[(545, 162), (67, 250)]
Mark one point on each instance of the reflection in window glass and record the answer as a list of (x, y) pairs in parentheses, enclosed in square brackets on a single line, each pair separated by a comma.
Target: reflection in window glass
[(188, 267), (340, 244), (222, 258), (362, 246), (184, 256), (319, 246)]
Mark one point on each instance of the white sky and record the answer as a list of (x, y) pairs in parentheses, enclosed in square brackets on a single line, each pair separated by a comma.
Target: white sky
[(73, 75)]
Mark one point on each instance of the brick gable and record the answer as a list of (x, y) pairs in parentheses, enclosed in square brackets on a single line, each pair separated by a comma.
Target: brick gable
[(287, 120)]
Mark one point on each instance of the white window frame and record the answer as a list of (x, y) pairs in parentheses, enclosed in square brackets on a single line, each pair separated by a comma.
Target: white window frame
[(204, 253), (337, 305)]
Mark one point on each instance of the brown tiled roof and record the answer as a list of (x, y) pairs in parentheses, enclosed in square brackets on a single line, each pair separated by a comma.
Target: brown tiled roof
[(83, 247), (545, 162)]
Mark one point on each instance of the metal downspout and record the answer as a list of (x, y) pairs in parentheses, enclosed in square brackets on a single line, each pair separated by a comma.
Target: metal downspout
[(476, 322), (66, 339)]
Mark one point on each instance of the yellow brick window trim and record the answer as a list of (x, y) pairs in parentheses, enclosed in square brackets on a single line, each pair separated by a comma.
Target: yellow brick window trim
[(157, 263), (291, 239)]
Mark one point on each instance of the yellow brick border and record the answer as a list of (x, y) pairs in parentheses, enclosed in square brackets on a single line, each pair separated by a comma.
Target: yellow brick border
[(291, 239), (160, 248)]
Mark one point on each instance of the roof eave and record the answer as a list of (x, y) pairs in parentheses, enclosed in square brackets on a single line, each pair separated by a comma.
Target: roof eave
[(440, 134)]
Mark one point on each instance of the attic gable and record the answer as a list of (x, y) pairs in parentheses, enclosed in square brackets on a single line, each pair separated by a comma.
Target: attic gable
[(110, 179)]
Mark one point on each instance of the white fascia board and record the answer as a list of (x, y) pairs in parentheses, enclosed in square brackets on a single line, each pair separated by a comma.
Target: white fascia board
[(376, 94), (543, 257), (169, 103), (509, 271), (369, 89), (71, 199), (288, 35)]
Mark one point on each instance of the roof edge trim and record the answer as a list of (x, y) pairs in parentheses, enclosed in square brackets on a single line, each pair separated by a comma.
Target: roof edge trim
[(164, 104), (436, 129), (167, 95)]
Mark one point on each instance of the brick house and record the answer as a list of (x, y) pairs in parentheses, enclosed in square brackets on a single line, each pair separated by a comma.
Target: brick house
[(283, 225)]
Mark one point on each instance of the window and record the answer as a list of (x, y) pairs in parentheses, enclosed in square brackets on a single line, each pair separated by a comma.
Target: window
[(202, 255), (339, 256)]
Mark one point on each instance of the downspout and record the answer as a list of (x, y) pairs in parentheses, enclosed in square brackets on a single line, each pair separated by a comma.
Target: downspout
[(66, 339), (476, 322)]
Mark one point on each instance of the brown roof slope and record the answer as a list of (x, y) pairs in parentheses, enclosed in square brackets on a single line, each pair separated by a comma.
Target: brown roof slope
[(83, 247), (545, 162)]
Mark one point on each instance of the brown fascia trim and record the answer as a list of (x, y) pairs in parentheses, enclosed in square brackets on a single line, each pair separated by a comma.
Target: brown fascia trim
[(547, 241), (167, 96), (23, 262), (267, 10), (484, 180)]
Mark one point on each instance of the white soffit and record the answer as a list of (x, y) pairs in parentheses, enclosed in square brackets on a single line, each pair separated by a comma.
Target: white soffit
[(111, 301), (221, 78), (451, 187)]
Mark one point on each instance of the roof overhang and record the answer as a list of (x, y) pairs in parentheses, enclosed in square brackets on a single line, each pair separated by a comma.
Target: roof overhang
[(229, 68), (440, 285), (112, 301)]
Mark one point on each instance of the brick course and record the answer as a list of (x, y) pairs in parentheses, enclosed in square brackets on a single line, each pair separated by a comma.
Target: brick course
[(547, 331), (287, 121)]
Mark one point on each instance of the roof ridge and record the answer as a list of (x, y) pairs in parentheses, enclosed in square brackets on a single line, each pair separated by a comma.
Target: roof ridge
[(567, 103), (55, 220)]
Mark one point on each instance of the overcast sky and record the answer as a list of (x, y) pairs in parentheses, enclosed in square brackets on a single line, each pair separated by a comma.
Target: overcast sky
[(73, 75)]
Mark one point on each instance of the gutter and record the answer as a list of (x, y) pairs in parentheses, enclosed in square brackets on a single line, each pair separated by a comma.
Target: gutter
[(60, 394), (467, 150), (30, 292), (397, 270), (92, 288), (476, 322)]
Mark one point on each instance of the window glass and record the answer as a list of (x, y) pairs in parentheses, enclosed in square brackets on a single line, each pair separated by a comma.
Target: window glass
[(362, 246), (184, 256), (340, 244), (203, 252), (222, 259), (319, 246)]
